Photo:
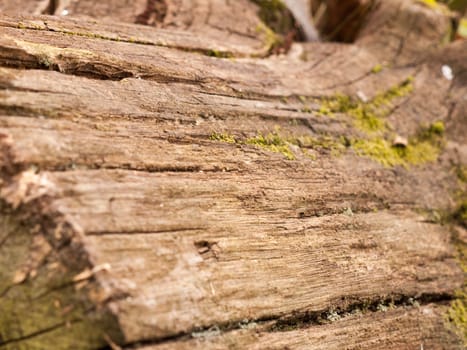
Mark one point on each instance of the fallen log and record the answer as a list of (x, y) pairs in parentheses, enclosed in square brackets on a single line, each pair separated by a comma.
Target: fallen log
[(171, 188)]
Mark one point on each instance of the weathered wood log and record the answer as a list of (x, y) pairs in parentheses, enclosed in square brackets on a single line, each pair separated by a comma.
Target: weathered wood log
[(183, 189), (383, 330)]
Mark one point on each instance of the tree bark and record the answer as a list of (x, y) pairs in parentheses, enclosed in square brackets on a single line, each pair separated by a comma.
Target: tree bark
[(181, 187)]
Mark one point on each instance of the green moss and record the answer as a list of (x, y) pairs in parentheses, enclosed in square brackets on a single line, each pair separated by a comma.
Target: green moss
[(277, 143), (381, 150), (272, 142), (322, 143), (306, 108), (423, 148), (325, 111), (364, 114), (216, 53), (44, 61), (270, 39), (437, 128), (461, 171), (224, 137), (377, 68), (44, 307), (401, 90), (461, 213), (309, 155), (219, 54), (32, 25), (462, 28), (275, 15), (367, 116), (457, 313)]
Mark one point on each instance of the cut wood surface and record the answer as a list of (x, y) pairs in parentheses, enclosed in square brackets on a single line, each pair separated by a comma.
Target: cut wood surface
[(176, 185)]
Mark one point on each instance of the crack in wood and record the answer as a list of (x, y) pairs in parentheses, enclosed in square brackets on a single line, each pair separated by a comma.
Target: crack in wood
[(140, 232), (7, 236), (375, 305), (5, 292), (5, 342), (302, 320), (61, 168)]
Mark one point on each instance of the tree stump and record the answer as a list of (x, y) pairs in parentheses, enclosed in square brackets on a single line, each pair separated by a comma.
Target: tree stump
[(177, 185)]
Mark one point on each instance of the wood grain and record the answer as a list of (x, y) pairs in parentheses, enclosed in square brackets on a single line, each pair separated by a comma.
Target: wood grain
[(139, 207)]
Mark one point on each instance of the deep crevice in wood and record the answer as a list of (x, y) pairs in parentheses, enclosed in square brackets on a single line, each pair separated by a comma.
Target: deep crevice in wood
[(300, 320), (378, 305), (153, 14), (51, 7)]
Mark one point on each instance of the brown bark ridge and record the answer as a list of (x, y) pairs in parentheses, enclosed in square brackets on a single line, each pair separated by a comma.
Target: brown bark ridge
[(177, 187)]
